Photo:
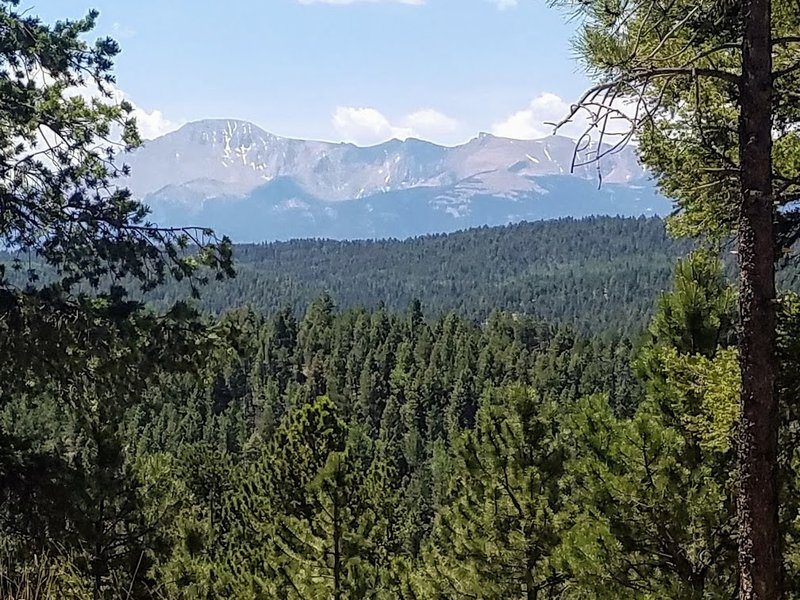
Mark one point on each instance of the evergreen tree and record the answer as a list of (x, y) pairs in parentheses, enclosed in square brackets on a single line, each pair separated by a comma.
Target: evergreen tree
[(499, 534), (655, 493), (710, 91)]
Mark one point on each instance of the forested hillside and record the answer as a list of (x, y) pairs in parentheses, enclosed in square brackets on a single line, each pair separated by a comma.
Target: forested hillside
[(382, 454), (569, 410), (598, 274)]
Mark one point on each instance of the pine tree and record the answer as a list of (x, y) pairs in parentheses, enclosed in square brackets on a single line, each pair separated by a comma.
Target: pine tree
[(654, 494), (499, 534), (709, 90)]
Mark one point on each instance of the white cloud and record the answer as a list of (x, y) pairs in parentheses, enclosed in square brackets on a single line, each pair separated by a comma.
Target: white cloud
[(369, 126), (505, 4), (430, 122), (365, 125), (151, 123), (121, 32), (529, 123), (536, 121), (343, 2)]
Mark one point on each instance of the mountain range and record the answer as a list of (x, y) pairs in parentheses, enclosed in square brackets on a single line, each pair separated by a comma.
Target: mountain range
[(255, 186)]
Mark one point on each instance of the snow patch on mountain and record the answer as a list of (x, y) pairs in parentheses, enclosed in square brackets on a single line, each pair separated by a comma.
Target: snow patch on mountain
[(242, 156)]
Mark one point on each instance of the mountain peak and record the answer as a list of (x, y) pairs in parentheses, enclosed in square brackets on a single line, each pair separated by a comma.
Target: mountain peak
[(243, 156), (228, 127)]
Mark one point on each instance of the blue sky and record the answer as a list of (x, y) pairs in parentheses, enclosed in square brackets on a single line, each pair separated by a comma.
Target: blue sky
[(354, 70)]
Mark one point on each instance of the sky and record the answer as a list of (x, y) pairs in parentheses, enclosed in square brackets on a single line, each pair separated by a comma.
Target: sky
[(361, 71)]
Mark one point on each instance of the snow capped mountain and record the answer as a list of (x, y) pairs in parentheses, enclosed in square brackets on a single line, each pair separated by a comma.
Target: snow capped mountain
[(207, 165), (242, 156)]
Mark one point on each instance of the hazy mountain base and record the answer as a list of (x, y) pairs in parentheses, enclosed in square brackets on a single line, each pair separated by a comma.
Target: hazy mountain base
[(281, 210)]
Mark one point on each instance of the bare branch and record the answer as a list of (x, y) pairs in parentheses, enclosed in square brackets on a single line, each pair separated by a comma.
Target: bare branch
[(782, 41), (644, 76)]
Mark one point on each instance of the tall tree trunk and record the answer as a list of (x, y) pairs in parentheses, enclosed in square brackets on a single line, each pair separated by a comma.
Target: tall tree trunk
[(757, 503), (531, 592), (337, 548)]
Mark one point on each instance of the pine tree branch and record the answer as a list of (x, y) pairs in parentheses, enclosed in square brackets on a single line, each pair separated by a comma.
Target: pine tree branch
[(782, 41), (644, 76), (678, 26), (786, 71), (711, 51)]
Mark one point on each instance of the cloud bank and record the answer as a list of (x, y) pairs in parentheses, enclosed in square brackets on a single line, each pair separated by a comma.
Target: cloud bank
[(536, 120), (366, 125), (505, 4), (529, 123), (344, 2)]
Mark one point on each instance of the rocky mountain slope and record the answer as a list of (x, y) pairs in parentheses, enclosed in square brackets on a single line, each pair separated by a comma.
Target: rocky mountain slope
[(253, 185)]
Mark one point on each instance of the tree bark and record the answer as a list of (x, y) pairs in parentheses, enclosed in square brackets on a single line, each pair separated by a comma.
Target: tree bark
[(760, 565), (531, 591), (337, 550)]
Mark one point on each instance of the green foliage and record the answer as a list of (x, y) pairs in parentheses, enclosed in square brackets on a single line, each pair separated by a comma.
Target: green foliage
[(600, 274), (75, 354), (61, 199), (653, 517), (686, 363), (246, 482), (356, 453), (696, 317), (501, 520), (655, 493)]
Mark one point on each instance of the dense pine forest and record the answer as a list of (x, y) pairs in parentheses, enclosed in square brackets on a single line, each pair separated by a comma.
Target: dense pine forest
[(576, 410), (356, 453), (598, 274)]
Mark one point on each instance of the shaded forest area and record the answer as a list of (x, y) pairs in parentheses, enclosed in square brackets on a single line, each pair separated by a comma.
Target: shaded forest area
[(600, 275), (381, 454)]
